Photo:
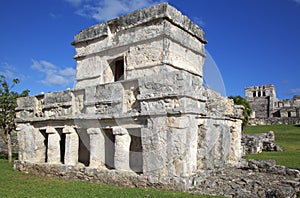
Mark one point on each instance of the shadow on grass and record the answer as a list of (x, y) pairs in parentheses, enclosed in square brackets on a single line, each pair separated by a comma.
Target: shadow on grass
[(297, 125), (5, 156)]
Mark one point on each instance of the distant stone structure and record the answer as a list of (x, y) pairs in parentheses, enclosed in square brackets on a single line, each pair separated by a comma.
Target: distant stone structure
[(268, 109), (139, 104)]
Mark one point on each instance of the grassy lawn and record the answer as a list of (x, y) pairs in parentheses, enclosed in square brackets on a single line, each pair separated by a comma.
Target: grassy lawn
[(17, 184), (286, 136)]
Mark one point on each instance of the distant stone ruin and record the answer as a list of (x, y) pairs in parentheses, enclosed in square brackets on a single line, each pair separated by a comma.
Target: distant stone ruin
[(268, 109)]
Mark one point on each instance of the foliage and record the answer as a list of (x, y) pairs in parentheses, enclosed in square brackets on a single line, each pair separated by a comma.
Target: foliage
[(17, 184), (286, 136), (239, 100), (8, 103)]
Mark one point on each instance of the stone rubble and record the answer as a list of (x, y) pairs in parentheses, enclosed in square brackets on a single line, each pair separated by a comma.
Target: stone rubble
[(257, 143), (257, 179)]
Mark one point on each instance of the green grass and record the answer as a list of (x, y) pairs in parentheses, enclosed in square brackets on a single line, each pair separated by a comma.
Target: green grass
[(286, 136), (17, 184)]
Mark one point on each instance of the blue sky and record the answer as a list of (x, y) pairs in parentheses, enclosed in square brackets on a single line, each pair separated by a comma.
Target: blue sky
[(252, 42)]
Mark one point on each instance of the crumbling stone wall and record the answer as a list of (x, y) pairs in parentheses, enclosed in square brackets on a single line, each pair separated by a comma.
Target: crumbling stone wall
[(257, 143)]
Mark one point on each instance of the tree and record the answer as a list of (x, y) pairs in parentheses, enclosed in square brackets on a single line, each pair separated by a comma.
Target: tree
[(239, 100), (8, 103)]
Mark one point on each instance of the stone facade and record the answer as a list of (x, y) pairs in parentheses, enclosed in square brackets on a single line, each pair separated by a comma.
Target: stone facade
[(139, 105), (267, 108)]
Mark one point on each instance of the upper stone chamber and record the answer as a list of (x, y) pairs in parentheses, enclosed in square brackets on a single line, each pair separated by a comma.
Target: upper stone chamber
[(149, 41)]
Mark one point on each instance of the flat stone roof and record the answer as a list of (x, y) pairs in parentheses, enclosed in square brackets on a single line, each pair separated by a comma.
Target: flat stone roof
[(136, 18)]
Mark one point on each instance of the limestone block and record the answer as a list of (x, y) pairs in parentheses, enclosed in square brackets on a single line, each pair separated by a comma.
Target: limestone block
[(145, 55), (130, 102), (71, 146), (54, 155), (170, 150), (236, 149), (58, 104), (213, 144), (89, 67), (97, 148), (31, 147), (26, 107), (184, 38), (104, 99), (122, 148), (182, 58), (154, 139), (58, 98)]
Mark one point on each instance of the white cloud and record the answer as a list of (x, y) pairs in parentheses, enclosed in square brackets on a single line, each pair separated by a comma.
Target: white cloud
[(295, 91), (103, 10), (75, 3), (7, 70), (297, 1), (199, 21), (54, 76)]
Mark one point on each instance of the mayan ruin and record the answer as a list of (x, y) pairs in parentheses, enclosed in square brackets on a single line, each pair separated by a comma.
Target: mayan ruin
[(268, 109), (140, 115)]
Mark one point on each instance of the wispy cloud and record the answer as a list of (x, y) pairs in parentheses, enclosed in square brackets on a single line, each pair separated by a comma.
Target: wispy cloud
[(7, 70), (54, 75), (199, 21), (54, 15), (297, 1), (103, 10), (295, 91), (75, 3)]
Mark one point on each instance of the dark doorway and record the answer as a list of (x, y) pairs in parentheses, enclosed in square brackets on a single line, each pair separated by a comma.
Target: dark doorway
[(62, 147), (119, 70)]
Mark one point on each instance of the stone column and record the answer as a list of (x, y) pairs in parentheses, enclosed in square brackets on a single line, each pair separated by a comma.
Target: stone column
[(72, 146), (122, 148), (236, 149), (97, 148), (53, 146)]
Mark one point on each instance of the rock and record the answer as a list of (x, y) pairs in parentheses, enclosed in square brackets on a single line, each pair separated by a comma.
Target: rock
[(257, 143)]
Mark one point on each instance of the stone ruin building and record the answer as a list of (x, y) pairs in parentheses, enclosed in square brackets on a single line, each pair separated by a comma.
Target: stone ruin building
[(268, 109), (139, 108)]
